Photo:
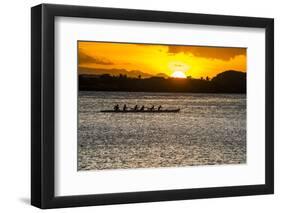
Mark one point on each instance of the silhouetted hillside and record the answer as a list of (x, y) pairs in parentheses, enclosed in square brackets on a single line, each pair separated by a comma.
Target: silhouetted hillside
[(113, 72), (226, 82), (230, 81)]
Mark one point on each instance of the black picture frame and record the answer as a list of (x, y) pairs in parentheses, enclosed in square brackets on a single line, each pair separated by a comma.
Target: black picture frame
[(43, 102)]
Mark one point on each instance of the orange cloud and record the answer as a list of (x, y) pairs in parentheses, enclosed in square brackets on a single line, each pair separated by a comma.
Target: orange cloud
[(223, 53)]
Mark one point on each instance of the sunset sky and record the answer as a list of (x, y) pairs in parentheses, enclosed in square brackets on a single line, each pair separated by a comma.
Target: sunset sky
[(195, 61)]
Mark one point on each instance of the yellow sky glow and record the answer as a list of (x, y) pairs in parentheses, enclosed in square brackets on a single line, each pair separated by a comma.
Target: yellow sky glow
[(194, 61)]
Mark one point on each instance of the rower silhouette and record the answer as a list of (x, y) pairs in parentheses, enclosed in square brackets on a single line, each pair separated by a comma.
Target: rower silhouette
[(159, 108), (116, 107), (124, 107), (136, 108)]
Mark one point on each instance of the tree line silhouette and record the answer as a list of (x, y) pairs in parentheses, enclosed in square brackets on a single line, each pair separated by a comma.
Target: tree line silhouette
[(226, 82)]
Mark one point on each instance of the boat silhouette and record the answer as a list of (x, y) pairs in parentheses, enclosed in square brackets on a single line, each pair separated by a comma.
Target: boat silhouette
[(142, 111)]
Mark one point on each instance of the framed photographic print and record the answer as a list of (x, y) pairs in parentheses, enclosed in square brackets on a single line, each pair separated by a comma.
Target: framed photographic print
[(139, 106)]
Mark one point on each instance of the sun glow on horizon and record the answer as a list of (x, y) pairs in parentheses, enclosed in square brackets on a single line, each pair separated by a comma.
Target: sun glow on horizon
[(146, 60), (178, 74)]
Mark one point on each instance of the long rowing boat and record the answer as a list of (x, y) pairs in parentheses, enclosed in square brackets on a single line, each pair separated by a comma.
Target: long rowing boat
[(142, 111)]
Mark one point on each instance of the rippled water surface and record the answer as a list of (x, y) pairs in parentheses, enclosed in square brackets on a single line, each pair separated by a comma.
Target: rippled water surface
[(209, 129)]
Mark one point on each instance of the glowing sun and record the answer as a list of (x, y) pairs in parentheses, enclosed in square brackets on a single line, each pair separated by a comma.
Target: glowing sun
[(178, 74)]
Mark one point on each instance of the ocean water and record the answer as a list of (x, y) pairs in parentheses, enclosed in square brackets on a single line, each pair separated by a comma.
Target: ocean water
[(210, 129)]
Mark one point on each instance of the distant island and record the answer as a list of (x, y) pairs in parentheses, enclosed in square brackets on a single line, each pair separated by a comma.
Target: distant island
[(230, 81)]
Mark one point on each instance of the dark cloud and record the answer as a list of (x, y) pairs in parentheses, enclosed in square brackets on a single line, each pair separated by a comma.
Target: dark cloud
[(208, 52), (84, 58)]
